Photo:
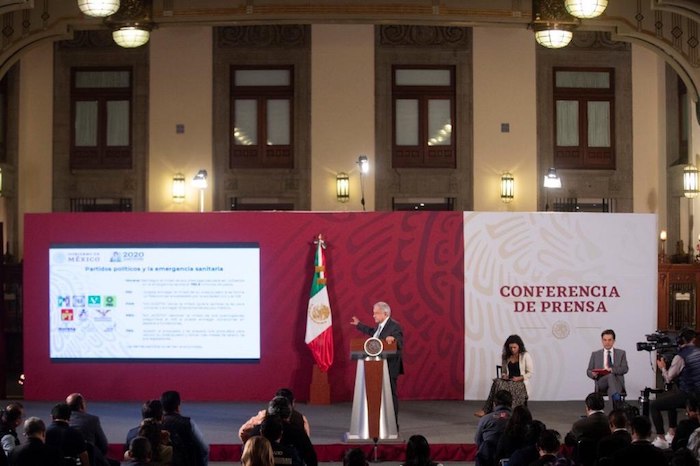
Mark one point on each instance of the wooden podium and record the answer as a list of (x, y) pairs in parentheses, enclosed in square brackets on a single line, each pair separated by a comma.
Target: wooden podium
[(373, 416)]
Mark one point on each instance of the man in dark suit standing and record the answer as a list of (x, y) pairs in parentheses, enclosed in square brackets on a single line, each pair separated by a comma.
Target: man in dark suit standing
[(390, 330), (608, 367)]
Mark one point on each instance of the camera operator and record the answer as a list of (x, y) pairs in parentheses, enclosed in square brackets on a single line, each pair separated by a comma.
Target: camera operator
[(685, 369)]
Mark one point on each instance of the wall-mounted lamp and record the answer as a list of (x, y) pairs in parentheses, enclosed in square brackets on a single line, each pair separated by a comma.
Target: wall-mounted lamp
[(363, 162), (200, 182), (551, 180), (342, 187), (179, 188), (690, 182), (507, 187), (662, 246)]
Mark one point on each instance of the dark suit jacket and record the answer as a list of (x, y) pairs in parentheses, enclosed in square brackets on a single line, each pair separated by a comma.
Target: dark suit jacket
[(89, 425), (593, 427), (391, 329), (607, 446), (640, 453), (34, 453)]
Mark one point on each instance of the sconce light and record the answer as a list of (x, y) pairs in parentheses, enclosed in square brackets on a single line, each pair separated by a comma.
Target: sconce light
[(690, 182), (200, 182), (1, 191), (507, 187), (662, 248), (179, 188), (552, 23), (98, 8), (342, 187), (586, 9), (363, 162), (551, 180)]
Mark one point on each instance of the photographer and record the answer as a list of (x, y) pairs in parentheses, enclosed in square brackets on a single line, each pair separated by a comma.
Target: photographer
[(685, 369)]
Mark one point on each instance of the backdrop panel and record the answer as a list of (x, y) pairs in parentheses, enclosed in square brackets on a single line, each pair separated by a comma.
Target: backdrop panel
[(529, 273), (414, 261)]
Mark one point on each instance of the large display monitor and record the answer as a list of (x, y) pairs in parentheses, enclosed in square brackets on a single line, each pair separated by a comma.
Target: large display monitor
[(172, 302)]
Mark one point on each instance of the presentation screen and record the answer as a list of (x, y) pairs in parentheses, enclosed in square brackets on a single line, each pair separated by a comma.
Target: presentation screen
[(175, 302)]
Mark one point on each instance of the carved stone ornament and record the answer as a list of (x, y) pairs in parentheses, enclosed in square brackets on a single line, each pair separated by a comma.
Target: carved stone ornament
[(424, 36), (278, 35)]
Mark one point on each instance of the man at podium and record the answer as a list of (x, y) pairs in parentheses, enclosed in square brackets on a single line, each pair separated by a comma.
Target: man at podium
[(390, 330)]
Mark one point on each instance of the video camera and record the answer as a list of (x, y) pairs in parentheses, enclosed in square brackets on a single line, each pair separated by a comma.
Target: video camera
[(664, 343)]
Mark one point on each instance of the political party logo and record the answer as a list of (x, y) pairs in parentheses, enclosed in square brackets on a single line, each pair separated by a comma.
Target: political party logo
[(78, 301), (94, 301), (83, 315), (66, 314), (110, 301), (115, 257), (63, 301), (103, 312)]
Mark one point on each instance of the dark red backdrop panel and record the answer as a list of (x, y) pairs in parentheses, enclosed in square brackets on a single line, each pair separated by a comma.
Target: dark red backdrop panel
[(413, 261)]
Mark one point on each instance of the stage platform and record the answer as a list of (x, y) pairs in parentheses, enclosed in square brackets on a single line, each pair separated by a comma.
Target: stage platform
[(449, 426)]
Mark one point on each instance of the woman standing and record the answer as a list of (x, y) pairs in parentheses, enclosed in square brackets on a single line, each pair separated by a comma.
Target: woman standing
[(515, 377)]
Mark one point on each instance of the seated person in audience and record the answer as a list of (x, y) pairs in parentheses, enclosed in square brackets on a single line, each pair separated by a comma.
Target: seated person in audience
[(161, 451), (548, 446), (89, 425), (619, 438), (529, 453), (587, 432), (418, 452), (186, 438), (513, 436), (297, 418), (257, 451), (68, 440), (640, 451), (35, 452), (354, 457), (491, 427), (687, 426), (139, 453), (683, 457), (291, 434), (272, 429), (151, 409), (10, 420)]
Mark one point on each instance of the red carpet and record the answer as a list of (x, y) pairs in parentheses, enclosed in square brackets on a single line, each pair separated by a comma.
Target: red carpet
[(334, 452)]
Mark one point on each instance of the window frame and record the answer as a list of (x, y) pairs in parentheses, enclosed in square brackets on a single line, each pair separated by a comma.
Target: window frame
[(101, 156), (261, 155), (583, 156), (424, 155)]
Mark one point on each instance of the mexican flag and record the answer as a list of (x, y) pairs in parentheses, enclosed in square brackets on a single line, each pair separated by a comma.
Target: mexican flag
[(319, 331)]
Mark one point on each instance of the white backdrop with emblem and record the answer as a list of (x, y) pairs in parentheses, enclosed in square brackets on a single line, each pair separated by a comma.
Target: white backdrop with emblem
[(506, 252)]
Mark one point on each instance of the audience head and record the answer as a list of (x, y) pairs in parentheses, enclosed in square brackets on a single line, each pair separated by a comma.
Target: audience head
[(170, 401), (549, 442), (503, 398), (76, 401), (140, 449), (12, 415), (641, 427), (271, 428), (61, 412), (617, 419), (257, 451), (595, 402), (519, 420), (692, 406), (152, 409), (34, 428), (279, 406), (417, 451), (533, 432), (287, 393), (354, 457), (683, 457), (513, 340), (151, 429)]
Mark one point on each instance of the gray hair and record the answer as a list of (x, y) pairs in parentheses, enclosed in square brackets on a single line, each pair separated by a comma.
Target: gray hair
[(34, 426), (384, 307)]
